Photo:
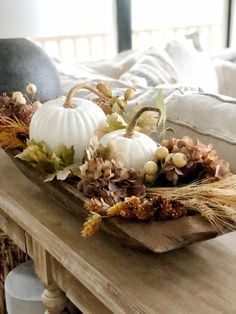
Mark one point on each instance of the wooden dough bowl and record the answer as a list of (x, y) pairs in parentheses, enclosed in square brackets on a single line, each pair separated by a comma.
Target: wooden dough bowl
[(155, 236)]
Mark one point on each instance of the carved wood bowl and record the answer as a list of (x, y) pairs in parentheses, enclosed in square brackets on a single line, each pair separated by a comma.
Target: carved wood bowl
[(155, 236)]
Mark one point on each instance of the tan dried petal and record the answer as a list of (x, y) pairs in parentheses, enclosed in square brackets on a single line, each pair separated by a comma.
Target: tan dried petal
[(104, 89), (129, 94)]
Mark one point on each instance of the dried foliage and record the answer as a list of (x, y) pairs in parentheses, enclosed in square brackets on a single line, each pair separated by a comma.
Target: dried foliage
[(91, 225), (16, 111), (10, 107), (110, 103), (96, 206), (156, 207), (95, 150), (116, 191), (119, 118), (133, 207), (104, 180), (13, 133), (216, 201), (39, 155), (202, 161)]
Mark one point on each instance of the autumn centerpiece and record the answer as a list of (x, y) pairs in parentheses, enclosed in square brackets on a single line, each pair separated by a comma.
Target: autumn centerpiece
[(124, 162)]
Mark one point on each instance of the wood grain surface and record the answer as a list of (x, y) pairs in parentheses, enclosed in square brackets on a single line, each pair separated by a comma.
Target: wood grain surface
[(200, 279), (156, 236)]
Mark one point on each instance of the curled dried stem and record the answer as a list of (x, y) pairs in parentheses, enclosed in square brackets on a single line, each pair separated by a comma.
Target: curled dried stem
[(133, 122), (69, 103)]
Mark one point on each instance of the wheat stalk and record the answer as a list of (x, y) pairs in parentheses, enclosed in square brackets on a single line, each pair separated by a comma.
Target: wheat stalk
[(215, 201), (13, 133)]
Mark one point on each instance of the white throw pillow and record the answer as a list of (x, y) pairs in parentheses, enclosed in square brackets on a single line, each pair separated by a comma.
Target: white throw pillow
[(226, 72), (209, 118), (193, 67), (153, 67)]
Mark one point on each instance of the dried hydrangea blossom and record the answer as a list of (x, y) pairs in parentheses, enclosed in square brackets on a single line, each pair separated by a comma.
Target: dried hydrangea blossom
[(202, 161)]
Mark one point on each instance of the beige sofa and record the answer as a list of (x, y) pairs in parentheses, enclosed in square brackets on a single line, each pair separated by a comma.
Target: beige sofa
[(191, 81)]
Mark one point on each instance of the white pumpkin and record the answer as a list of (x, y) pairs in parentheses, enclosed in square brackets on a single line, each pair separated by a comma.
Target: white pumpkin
[(70, 122), (132, 147)]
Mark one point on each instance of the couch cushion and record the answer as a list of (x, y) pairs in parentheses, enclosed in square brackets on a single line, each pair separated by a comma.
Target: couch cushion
[(226, 72), (193, 67), (154, 67), (209, 118)]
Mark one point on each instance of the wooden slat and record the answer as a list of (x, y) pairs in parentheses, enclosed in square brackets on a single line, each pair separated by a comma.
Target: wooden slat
[(50, 270), (76, 292), (15, 232)]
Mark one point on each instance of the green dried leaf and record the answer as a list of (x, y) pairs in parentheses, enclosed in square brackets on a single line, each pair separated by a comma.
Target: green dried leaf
[(115, 122), (161, 105), (63, 174), (147, 123), (117, 108), (65, 155), (39, 155)]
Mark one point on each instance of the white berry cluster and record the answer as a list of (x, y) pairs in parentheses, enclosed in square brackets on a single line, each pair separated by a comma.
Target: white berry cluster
[(19, 98), (162, 154)]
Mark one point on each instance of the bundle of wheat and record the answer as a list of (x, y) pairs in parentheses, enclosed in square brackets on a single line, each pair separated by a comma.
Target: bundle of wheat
[(215, 201), (10, 257)]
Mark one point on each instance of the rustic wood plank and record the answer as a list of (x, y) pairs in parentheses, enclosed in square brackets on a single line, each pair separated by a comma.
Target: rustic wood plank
[(76, 292), (42, 260), (198, 279), (157, 236), (55, 272), (15, 232)]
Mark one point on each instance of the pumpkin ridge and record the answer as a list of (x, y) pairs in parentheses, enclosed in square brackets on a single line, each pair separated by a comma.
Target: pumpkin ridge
[(89, 119), (140, 146)]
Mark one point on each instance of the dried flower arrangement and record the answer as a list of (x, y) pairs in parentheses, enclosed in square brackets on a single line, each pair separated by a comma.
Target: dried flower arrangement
[(106, 152)]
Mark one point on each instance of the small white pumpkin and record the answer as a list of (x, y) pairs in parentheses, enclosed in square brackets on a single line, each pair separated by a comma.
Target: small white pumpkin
[(70, 121), (134, 148)]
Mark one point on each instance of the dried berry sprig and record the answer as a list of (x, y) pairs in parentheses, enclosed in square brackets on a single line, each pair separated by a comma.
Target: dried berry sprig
[(20, 106)]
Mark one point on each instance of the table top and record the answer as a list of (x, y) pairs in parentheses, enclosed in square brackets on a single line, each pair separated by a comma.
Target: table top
[(198, 279)]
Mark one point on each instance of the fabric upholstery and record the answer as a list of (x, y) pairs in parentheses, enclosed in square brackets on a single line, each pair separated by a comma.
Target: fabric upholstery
[(209, 118)]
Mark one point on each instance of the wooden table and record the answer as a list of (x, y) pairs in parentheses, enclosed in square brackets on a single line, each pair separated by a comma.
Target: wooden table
[(100, 275)]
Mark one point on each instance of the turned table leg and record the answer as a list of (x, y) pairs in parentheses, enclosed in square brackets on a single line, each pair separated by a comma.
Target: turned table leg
[(54, 299)]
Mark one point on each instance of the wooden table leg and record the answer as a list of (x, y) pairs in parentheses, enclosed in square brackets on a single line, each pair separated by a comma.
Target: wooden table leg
[(54, 299)]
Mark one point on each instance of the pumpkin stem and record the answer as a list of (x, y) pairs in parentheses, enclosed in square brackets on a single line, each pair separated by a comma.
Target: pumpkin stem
[(133, 122), (69, 104)]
